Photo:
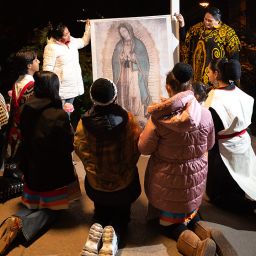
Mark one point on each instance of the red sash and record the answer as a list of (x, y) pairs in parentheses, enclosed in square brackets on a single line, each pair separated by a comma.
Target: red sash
[(227, 136)]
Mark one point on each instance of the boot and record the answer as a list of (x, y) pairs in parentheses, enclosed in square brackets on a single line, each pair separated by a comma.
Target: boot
[(9, 229), (189, 244), (224, 248)]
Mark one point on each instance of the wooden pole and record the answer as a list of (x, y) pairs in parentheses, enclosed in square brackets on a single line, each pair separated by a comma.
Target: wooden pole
[(175, 8)]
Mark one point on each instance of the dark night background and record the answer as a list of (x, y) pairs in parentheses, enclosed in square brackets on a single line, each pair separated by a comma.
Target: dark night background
[(18, 20)]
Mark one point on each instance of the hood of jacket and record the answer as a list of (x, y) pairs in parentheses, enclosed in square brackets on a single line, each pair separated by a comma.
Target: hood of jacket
[(180, 113), (32, 111), (105, 122), (39, 104)]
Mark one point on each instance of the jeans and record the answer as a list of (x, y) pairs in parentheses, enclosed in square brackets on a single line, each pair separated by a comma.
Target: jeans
[(35, 221)]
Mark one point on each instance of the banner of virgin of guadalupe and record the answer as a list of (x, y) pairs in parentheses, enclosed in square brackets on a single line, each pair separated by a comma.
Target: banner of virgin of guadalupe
[(136, 54)]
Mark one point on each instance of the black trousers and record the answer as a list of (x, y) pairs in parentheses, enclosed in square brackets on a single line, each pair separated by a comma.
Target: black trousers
[(222, 189), (116, 216)]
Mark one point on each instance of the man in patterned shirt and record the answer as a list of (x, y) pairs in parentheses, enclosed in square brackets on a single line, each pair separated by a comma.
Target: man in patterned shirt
[(208, 40)]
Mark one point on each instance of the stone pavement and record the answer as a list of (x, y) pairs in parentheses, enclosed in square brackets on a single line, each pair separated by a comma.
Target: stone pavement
[(68, 235)]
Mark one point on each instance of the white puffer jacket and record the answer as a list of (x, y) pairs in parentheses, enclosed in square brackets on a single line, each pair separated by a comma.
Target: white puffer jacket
[(64, 61)]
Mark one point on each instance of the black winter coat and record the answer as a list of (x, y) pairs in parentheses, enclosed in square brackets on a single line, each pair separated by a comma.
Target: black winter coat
[(47, 144)]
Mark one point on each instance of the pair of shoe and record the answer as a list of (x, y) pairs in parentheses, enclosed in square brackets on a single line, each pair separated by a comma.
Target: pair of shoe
[(97, 237), (9, 230), (223, 246), (189, 244)]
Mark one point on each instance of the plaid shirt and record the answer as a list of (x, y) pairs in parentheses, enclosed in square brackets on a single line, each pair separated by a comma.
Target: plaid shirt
[(4, 116), (110, 164)]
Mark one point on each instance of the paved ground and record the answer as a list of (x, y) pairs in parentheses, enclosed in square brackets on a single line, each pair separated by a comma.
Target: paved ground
[(68, 234)]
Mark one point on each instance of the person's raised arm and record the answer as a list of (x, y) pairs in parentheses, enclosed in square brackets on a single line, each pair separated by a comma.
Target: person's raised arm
[(181, 22), (87, 33)]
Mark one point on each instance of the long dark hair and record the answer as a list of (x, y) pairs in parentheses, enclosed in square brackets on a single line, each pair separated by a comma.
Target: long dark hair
[(228, 70), (200, 91), (22, 59), (56, 30), (47, 86)]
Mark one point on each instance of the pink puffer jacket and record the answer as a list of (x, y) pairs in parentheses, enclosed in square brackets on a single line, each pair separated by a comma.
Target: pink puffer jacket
[(177, 136)]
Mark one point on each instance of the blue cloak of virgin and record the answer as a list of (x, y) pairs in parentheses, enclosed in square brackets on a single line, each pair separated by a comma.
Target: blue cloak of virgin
[(142, 66)]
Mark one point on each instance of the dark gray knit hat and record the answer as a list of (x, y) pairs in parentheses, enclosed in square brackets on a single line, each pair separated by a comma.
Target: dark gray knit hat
[(103, 92)]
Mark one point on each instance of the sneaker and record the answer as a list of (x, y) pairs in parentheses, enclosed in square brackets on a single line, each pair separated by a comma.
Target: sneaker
[(93, 241), (9, 229), (109, 239)]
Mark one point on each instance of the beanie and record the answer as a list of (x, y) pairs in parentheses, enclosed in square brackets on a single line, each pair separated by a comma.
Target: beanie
[(182, 72), (103, 92)]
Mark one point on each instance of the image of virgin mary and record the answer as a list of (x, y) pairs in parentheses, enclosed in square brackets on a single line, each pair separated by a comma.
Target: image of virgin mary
[(130, 65)]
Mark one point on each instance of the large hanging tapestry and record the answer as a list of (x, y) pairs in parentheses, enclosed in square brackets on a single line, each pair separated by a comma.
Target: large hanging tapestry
[(136, 54)]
